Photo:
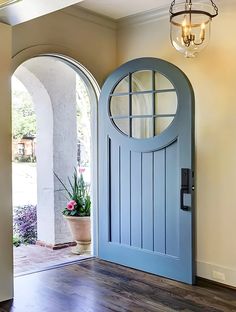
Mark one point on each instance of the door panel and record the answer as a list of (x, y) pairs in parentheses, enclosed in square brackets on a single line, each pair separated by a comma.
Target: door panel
[(125, 202), (114, 193), (147, 202), (136, 199), (159, 177), (146, 112), (172, 201)]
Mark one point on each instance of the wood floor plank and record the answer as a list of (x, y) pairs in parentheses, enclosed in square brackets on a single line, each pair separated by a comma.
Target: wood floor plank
[(98, 286), (196, 293)]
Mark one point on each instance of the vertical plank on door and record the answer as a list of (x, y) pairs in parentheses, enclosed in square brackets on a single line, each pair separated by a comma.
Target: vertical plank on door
[(172, 200), (115, 192), (159, 202), (125, 196), (136, 209), (147, 201)]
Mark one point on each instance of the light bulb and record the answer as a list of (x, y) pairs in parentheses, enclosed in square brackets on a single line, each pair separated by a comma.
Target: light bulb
[(203, 31)]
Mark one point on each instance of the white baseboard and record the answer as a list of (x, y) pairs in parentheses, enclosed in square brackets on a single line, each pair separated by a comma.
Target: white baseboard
[(216, 273)]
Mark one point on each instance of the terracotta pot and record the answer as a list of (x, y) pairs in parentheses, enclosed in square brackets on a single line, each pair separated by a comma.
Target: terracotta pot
[(80, 228)]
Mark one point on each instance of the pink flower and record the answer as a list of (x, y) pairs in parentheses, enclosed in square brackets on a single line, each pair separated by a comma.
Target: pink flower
[(71, 205), (81, 170)]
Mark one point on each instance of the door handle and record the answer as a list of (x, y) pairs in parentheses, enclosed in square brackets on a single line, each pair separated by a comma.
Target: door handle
[(185, 188)]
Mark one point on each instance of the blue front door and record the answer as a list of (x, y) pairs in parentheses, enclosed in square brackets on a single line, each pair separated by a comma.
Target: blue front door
[(146, 139)]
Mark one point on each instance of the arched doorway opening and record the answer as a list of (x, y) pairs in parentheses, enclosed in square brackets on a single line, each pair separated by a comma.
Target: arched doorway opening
[(64, 99)]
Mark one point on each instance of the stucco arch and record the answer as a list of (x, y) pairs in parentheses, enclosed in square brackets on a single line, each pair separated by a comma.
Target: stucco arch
[(59, 51), (93, 88)]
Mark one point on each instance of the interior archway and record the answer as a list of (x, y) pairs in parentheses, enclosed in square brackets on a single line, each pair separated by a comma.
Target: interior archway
[(51, 80)]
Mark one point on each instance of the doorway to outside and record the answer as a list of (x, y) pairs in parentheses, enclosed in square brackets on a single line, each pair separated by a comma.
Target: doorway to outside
[(54, 131)]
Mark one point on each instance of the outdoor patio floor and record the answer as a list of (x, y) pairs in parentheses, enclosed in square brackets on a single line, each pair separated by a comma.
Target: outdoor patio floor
[(34, 258)]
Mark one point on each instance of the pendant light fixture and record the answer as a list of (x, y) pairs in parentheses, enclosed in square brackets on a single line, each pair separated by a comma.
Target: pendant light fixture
[(191, 25)]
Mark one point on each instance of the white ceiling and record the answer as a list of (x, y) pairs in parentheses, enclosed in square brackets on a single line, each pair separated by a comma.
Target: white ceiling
[(26, 10), (121, 8)]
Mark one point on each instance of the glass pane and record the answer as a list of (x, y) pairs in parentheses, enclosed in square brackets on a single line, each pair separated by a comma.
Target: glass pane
[(142, 80), (165, 103), (119, 105), (122, 124), (142, 104), (142, 128), (162, 123), (162, 83), (123, 86)]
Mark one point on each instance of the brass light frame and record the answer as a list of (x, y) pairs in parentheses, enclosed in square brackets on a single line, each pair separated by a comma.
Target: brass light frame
[(188, 11)]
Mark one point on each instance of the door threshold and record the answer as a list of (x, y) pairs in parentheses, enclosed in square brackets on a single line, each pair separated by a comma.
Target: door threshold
[(55, 266)]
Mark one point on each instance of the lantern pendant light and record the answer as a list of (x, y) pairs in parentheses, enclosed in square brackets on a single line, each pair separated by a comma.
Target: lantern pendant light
[(191, 25)]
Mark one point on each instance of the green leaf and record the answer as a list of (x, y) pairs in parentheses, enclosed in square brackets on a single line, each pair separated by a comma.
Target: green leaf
[(79, 193), (65, 188)]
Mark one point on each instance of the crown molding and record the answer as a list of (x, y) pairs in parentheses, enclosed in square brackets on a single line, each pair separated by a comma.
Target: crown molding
[(132, 20), (136, 19), (225, 6), (92, 17), (144, 17)]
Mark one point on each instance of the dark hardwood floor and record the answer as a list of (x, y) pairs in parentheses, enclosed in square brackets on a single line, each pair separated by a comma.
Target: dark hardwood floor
[(98, 286)]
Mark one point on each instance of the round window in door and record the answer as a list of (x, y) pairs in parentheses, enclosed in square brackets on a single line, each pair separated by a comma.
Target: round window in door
[(143, 104)]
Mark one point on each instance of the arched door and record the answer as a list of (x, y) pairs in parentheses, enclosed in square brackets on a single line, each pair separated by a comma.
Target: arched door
[(146, 139)]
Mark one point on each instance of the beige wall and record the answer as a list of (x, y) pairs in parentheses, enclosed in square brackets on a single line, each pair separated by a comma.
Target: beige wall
[(213, 76), (70, 32), (6, 288)]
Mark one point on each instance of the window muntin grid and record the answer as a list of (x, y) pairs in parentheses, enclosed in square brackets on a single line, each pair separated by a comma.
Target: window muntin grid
[(143, 104)]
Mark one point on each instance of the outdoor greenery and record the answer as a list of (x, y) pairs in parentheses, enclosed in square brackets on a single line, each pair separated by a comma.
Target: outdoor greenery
[(78, 195), (25, 159), (25, 225), (23, 115), (16, 241)]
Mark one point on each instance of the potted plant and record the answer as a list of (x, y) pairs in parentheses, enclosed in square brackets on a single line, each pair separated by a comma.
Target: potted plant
[(77, 211)]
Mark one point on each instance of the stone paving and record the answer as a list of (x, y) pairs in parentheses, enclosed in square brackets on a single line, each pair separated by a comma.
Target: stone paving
[(34, 258)]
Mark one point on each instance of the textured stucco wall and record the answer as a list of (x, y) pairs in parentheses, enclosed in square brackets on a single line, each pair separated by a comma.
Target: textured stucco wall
[(52, 85)]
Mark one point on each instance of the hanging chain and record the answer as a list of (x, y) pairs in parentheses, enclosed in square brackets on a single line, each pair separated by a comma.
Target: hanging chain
[(171, 7), (215, 7)]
